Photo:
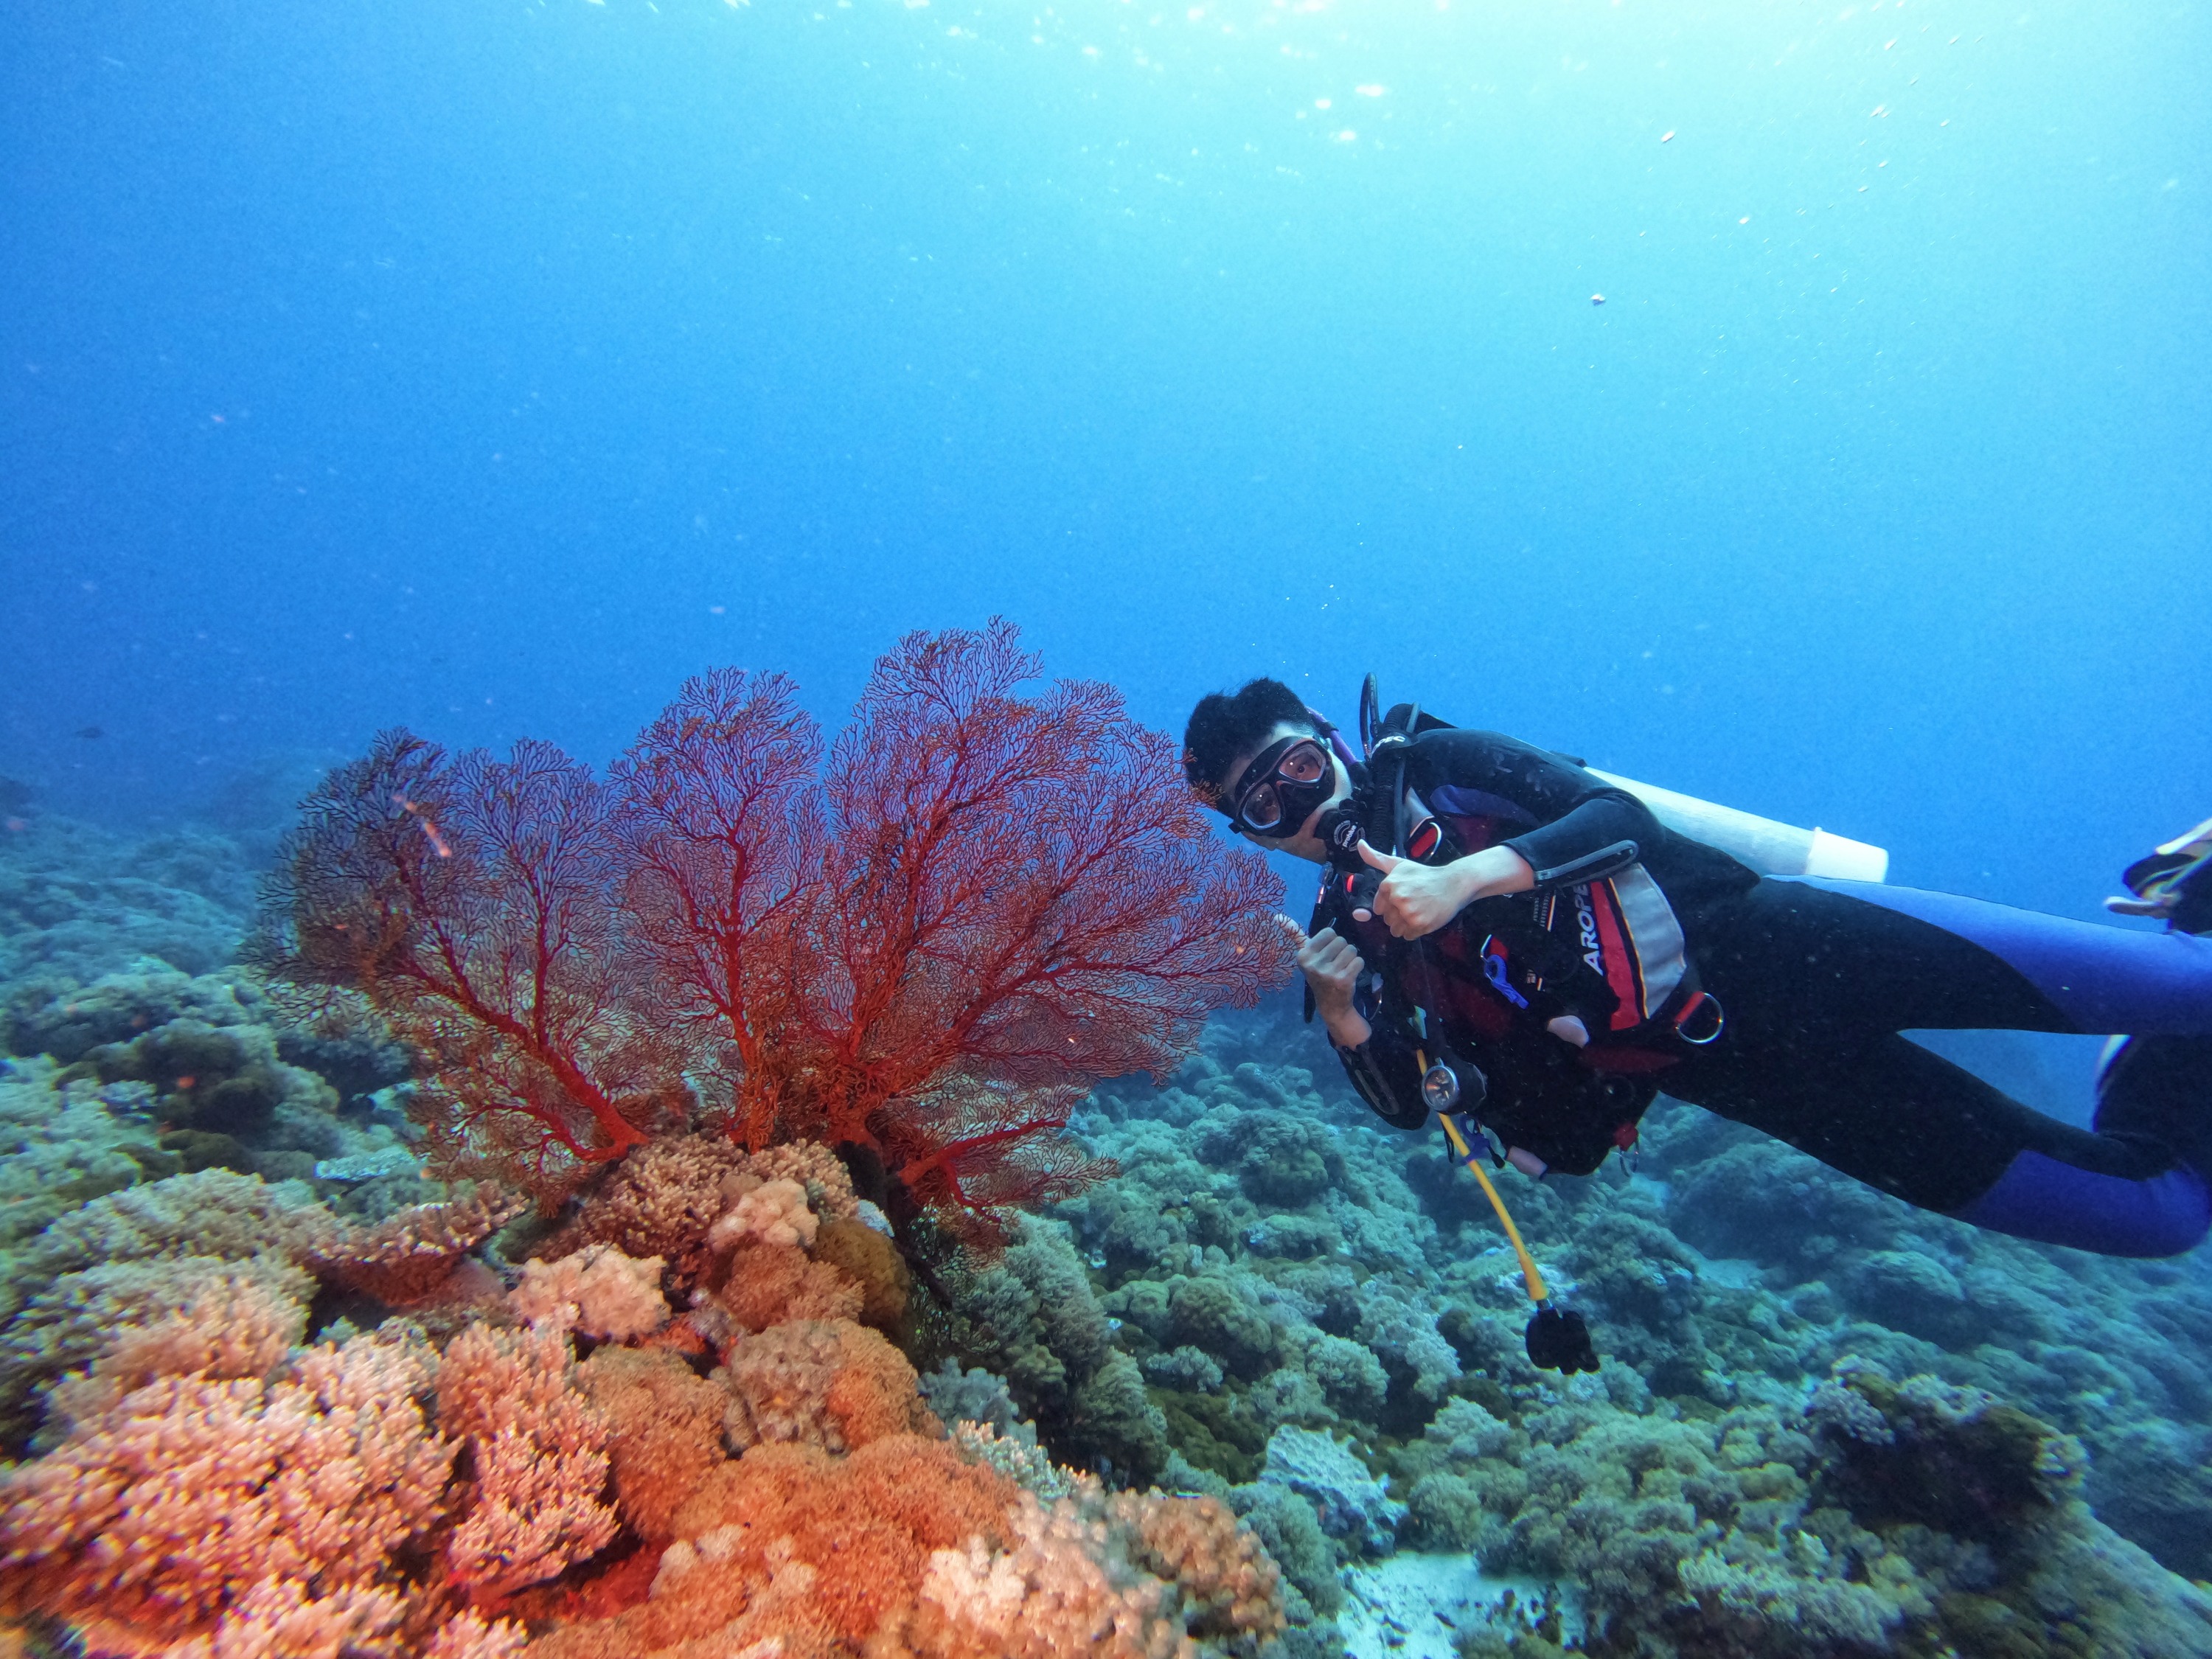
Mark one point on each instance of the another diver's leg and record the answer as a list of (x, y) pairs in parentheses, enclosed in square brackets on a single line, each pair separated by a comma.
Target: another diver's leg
[(2160, 1088), (2096, 979), (1899, 1118)]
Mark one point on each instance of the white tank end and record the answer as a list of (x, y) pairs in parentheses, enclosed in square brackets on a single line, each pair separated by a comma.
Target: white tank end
[(1844, 859)]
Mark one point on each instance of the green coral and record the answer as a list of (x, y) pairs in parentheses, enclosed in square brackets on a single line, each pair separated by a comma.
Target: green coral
[(61, 1145), (1033, 1318)]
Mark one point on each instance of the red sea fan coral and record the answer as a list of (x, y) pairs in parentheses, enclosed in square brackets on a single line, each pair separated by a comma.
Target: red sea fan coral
[(928, 945), (469, 902), (999, 899), (1018, 887), (722, 836)]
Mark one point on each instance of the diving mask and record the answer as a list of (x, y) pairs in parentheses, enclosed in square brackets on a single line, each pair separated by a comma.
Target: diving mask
[(1282, 787)]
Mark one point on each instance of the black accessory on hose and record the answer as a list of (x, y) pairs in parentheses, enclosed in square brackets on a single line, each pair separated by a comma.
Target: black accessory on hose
[(1559, 1340)]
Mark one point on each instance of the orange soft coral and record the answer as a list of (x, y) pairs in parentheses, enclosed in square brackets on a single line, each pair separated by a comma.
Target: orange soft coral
[(867, 1523), (792, 1546), (540, 1460), (773, 1284), (664, 1432), (821, 1383)]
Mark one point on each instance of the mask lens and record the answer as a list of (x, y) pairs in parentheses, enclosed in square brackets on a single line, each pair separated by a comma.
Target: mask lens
[(1303, 764), (1263, 809)]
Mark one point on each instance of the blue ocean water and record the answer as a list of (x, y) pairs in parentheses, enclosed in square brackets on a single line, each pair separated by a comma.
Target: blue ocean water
[(490, 368)]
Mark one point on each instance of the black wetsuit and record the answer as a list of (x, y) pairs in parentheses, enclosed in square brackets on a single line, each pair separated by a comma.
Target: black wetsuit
[(1813, 981)]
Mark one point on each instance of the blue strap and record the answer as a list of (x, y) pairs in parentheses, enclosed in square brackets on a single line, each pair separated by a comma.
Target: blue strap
[(2040, 1198)]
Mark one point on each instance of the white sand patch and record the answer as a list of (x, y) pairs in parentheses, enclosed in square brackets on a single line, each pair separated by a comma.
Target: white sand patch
[(1413, 1606), (1737, 1272)]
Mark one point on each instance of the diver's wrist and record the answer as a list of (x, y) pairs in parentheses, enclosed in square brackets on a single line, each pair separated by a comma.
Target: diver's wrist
[(1493, 871), (1470, 878), (1348, 1029)]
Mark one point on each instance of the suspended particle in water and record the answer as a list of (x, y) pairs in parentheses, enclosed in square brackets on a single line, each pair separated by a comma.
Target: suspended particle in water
[(1597, 299)]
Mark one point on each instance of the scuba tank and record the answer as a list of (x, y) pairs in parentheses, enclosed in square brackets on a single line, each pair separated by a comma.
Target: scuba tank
[(1765, 845), (1771, 848)]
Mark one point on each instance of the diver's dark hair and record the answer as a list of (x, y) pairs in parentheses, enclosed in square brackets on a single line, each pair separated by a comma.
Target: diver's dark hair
[(1225, 725)]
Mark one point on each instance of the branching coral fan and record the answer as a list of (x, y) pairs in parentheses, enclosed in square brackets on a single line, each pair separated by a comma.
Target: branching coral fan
[(926, 941)]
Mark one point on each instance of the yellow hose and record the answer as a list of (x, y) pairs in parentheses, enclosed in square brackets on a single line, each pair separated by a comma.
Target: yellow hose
[(1537, 1293)]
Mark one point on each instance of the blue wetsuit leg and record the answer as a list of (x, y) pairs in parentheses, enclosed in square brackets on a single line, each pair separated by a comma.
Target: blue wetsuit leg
[(2156, 1090), (2053, 1202), (1819, 977), (2102, 980)]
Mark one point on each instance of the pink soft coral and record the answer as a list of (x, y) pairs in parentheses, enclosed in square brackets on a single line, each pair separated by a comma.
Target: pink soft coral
[(1133, 1576), (539, 1452), (212, 1485), (599, 1291)]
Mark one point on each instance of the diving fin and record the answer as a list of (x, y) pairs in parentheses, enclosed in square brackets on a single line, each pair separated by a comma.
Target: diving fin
[(2173, 885)]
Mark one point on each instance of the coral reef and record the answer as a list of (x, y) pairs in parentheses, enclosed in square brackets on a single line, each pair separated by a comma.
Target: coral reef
[(538, 1459), (599, 1291), (76, 903), (664, 1431), (822, 1383), (1033, 1318), (131, 1256), (1128, 1576), (1348, 1500), (216, 1482), (215, 1478), (415, 1255), (272, 1391)]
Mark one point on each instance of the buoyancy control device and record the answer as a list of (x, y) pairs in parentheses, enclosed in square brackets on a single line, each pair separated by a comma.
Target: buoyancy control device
[(1457, 1090)]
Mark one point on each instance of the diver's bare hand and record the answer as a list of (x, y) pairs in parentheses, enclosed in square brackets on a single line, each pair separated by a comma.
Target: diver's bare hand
[(1416, 899), (1333, 966)]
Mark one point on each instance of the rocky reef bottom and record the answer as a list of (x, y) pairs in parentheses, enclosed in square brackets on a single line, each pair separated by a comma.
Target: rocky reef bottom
[(1825, 1423)]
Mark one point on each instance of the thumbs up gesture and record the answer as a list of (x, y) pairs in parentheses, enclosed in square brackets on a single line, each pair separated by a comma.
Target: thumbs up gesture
[(1416, 899)]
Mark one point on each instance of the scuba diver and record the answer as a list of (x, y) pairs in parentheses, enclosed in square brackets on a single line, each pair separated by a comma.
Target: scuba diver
[(1517, 945)]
